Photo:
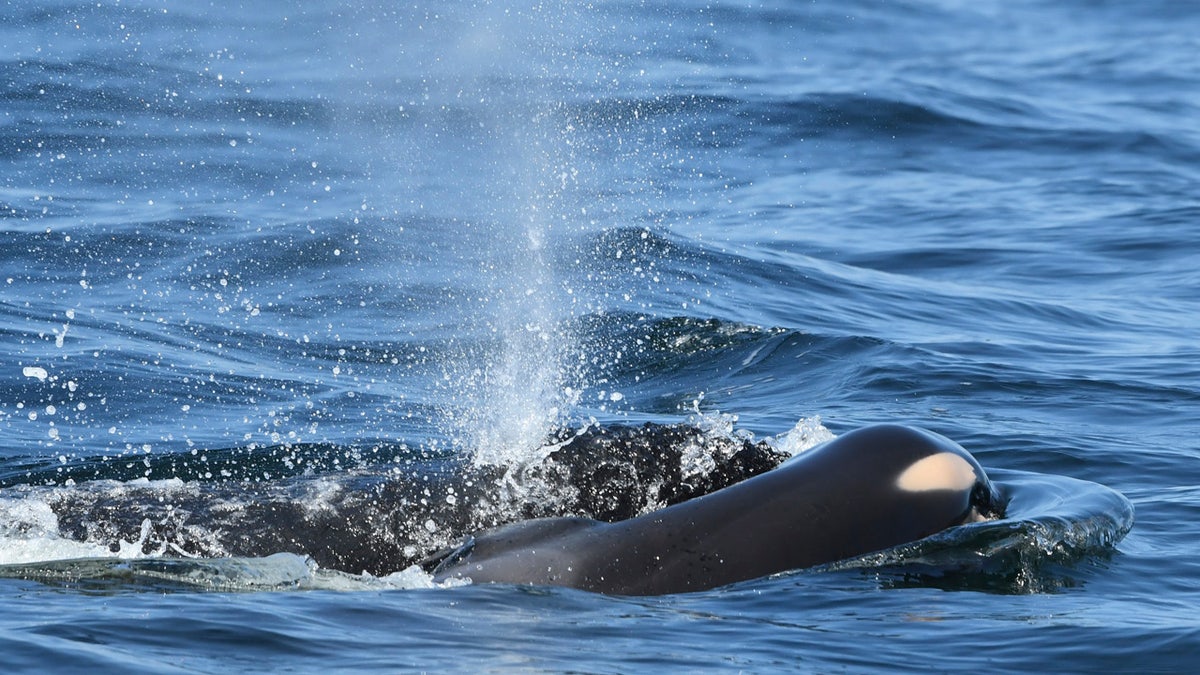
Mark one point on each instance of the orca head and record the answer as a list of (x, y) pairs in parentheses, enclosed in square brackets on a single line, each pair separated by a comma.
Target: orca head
[(936, 470), (953, 472), (911, 483)]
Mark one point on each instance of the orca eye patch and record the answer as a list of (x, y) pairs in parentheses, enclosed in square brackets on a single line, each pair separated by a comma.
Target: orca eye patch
[(943, 471)]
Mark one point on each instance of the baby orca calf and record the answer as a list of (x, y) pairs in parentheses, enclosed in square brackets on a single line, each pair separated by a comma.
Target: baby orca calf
[(867, 490)]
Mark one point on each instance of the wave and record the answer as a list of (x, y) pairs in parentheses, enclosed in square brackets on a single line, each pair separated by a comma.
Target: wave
[(1051, 522), (277, 572)]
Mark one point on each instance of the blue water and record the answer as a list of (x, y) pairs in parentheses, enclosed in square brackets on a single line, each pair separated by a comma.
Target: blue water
[(445, 230)]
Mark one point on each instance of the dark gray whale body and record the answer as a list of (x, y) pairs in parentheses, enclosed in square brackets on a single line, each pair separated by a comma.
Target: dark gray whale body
[(384, 519), (868, 490)]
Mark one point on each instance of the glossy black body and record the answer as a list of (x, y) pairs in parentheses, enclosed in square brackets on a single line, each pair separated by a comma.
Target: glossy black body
[(833, 502)]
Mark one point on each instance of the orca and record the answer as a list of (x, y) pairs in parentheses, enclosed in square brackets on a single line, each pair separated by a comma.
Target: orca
[(868, 490), (382, 521)]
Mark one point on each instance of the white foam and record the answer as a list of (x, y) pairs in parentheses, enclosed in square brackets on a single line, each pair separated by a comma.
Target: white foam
[(29, 533), (412, 577), (807, 434)]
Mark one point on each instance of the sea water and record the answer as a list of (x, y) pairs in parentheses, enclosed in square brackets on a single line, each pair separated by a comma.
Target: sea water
[(265, 241)]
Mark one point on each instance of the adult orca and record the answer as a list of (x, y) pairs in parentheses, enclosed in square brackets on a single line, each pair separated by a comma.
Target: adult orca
[(381, 520), (867, 490)]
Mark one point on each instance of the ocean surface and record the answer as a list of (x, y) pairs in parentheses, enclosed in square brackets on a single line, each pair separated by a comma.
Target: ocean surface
[(258, 245)]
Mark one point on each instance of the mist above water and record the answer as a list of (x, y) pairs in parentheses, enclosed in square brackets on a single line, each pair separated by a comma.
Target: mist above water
[(492, 164), (494, 83)]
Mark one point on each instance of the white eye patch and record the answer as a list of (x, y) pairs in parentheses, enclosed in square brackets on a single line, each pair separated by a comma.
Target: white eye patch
[(943, 471)]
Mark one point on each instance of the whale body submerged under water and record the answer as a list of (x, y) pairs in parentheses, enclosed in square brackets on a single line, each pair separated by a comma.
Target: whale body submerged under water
[(383, 519)]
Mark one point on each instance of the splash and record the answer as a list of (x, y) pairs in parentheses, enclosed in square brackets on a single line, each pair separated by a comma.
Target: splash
[(29, 532), (507, 72), (523, 395), (807, 434)]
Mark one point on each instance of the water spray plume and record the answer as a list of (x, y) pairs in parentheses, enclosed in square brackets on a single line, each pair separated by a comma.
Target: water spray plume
[(516, 394)]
